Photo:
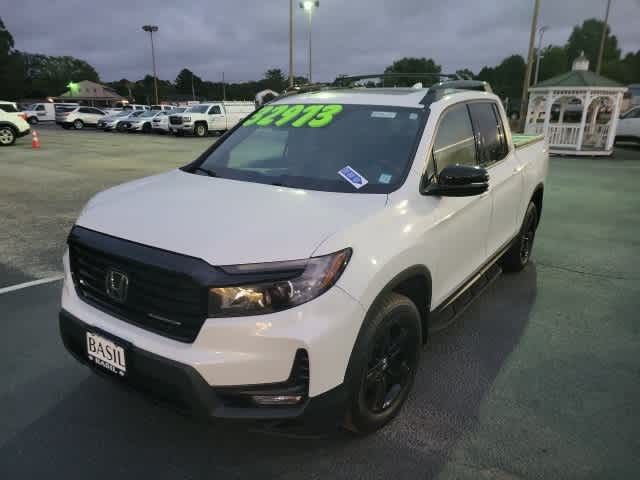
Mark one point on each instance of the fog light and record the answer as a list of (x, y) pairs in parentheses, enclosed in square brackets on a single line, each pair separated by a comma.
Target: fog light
[(276, 399)]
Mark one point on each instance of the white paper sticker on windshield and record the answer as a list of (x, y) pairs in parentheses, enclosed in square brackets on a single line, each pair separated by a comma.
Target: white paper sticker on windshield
[(384, 178), (383, 114), (353, 177)]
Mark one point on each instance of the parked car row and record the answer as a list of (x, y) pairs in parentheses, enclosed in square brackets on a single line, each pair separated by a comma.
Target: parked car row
[(198, 120)]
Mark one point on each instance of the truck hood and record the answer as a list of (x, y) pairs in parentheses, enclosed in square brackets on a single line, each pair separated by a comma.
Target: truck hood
[(224, 221)]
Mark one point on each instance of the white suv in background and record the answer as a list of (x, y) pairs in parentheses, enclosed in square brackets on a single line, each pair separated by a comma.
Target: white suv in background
[(78, 117), (13, 124), (629, 126)]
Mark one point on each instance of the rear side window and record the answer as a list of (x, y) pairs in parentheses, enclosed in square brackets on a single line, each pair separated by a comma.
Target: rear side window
[(7, 107), (490, 133), (215, 110), (454, 143)]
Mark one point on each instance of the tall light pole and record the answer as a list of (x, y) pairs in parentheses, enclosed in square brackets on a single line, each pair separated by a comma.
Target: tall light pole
[(291, 75), (151, 29), (541, 30), (604, 37), (527, 76), (309, 6)]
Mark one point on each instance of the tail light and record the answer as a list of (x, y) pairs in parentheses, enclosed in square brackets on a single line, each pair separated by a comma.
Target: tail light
[(23, 116)]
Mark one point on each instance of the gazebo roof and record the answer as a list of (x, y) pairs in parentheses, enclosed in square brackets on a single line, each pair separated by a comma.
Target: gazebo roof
[(578, 78)]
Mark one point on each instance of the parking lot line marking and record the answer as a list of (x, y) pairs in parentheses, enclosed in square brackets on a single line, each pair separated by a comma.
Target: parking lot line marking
[(33, 283)]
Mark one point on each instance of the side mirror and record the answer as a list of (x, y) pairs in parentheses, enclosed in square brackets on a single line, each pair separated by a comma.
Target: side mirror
[(459, 181)]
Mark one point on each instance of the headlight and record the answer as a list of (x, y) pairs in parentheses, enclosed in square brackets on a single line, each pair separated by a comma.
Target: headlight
[(293, 283)]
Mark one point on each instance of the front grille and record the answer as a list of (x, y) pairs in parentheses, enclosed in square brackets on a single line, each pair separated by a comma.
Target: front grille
[(167, 302), (175, 120)]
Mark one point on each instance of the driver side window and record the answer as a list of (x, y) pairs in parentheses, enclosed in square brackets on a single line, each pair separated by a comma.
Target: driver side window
[(454, 143)]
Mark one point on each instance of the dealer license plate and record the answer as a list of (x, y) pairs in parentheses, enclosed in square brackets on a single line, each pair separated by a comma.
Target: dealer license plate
[(106, 354)]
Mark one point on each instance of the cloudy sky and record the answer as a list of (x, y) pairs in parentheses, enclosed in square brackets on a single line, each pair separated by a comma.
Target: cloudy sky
[(243, 38)]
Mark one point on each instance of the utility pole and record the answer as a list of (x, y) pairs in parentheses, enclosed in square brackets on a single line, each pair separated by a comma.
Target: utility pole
[(542, 29), (291, 75), (527, 76), (224, 88), (193, 90), (151, 29), (605, 27)]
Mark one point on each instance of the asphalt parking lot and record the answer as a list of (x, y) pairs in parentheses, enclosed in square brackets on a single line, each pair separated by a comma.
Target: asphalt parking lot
[(540, 378)]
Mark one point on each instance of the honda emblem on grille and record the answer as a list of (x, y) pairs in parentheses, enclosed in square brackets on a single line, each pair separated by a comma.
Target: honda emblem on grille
[(117, 285)]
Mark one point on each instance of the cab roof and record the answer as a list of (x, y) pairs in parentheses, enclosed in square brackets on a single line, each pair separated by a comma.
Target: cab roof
[(399, 97), (394, 97)]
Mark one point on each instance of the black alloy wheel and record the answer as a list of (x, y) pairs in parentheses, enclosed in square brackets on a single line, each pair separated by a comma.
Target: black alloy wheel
[(528, 235), (391, 367), (383, 363)]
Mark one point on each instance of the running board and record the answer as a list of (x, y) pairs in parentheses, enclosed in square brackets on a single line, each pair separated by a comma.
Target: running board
[(444, 316)]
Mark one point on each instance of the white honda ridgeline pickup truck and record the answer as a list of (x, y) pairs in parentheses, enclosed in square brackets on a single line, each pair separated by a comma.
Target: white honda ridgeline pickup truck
[(295, 268)]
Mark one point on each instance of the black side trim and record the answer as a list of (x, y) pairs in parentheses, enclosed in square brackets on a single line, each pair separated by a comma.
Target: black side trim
[(459, 300)]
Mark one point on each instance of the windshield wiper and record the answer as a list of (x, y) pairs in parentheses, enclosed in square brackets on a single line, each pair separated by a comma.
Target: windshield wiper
[(211, 173)]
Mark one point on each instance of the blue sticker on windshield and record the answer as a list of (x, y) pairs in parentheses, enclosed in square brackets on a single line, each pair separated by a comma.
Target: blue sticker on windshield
[(353, 177)]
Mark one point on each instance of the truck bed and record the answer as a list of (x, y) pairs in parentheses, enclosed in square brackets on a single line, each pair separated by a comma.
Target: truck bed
[(520, 140)]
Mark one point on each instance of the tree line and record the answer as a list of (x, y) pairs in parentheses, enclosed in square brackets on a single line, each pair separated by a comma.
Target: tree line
[(28, 75)]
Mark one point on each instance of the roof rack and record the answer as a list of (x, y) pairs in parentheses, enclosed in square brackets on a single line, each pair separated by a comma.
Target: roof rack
[(450, 84), (349, 80), (439, 90)]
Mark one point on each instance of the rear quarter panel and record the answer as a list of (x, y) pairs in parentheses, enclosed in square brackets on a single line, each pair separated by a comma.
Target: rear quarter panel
[(534, 164)]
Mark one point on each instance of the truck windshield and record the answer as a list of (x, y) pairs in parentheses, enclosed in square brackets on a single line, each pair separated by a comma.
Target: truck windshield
[(336, 148)]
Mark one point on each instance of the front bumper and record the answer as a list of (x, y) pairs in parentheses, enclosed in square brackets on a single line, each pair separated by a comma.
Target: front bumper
[(184, 128), (251, 350), (24, 133), (182, 387)]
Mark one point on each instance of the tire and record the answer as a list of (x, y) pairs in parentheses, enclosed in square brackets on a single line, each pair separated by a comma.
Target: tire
[(7, 136), (519, 254), (383, 364), (33, 120), (200, 130), (78, 124), (146, 128)]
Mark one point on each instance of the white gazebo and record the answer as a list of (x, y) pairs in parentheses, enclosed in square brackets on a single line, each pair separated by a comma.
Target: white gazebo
[(577, 111)]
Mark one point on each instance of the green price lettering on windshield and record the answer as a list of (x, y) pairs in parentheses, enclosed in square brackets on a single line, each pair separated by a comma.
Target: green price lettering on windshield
[(258, 115), (291, 113), (314, 116), (308, 113), (325, 117), (267, 120)]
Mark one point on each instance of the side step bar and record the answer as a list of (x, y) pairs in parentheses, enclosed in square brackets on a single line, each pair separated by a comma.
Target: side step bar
[(451, 310)]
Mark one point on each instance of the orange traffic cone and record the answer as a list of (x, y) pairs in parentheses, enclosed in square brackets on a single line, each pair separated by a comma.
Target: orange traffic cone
[(35, 141)]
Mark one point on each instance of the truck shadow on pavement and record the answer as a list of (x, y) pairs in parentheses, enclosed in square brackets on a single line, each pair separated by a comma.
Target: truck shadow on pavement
[(98, 431)]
